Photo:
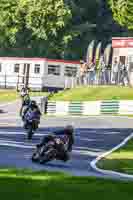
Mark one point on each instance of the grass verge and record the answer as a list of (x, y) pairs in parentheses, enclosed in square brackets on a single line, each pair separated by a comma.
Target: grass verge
[(25, 184), (12, 95), (92, 93), (95, 93), (8, 95), (121, 160)]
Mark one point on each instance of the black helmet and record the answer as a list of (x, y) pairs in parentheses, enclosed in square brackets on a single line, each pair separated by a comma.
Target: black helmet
[(69, 130), (33, 103)]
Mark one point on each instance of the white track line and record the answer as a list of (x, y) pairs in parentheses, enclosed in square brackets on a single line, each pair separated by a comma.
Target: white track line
[(21, 133), (109, 172), (14, 142), (15, 145)]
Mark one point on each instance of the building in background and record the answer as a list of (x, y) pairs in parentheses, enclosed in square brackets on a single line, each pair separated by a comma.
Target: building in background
[(37, 73), (123, 53)]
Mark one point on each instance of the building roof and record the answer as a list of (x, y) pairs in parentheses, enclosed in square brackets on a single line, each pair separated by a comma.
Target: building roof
[(121, 38)]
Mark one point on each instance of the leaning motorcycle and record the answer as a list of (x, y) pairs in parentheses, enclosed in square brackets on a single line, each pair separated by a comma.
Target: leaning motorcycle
[(48, 152), (30, 123), (44, 153)]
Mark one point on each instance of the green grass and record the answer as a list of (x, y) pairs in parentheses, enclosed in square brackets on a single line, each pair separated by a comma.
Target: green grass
[(8, 95), (12, 95), (95, 93), (39, 93), (120, 160), (25, 184), (78, 94)]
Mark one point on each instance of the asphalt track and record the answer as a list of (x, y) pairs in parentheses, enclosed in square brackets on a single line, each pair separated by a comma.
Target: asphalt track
[(93, 136)]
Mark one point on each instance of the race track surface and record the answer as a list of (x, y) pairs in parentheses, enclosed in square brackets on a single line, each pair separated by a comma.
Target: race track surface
[(93, 136)]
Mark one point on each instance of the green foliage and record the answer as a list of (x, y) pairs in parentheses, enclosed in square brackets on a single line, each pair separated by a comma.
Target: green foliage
[(46, 17), (54, 29), (123, 12), (41, 18), (82, 26), (8, 14)]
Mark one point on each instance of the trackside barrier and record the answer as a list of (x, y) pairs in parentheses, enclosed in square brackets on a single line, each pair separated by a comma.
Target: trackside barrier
[(109, 107), (51, 108), (126, 107), (85, 108), (91, 107), (73, 108)]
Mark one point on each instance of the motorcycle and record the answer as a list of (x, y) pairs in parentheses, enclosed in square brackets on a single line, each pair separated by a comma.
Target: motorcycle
[(44, 153), (48, 152), (30, 123)]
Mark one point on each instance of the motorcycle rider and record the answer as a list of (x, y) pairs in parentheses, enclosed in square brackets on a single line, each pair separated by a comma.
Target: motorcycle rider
[(32, 109), (64, 144), (24, 91), (24, 94), (25, 106)]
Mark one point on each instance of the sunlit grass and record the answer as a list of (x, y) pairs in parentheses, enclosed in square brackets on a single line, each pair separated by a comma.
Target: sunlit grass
[(26, 184), (94, 93), (79, 94), (8, 95), (120, 160), (12, 95)]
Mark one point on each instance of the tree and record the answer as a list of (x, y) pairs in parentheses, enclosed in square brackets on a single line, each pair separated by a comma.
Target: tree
[(82, 27), (123, 12), (55, 28), (32, 19)]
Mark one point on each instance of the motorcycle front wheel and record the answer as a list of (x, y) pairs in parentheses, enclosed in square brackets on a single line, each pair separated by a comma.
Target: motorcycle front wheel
[(35, 157), (37, 153)]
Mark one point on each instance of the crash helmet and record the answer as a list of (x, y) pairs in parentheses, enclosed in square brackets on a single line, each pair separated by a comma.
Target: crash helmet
[(33, 103), (69, 130), (27, 101)]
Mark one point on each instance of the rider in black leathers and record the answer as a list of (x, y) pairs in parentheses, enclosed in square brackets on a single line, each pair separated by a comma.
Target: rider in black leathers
[(62, 149), (25, 105), (32, 107)]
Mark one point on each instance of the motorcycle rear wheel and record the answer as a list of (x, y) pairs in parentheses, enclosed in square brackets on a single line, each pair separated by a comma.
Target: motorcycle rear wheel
[(48, 156), (29, 132)]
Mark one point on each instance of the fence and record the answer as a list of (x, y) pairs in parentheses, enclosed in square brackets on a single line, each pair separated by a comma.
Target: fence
[(15, 81), (100, 77), (96, 77)]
